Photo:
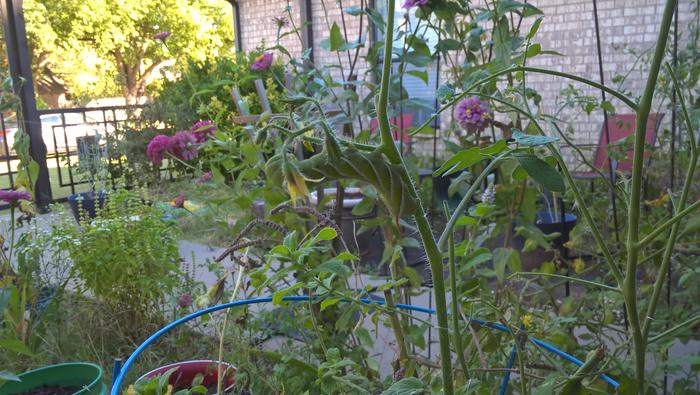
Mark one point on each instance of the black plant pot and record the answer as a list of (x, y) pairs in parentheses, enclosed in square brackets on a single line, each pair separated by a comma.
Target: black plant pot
[(89, 201)]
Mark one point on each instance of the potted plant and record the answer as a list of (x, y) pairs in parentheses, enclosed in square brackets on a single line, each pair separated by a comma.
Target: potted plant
[(92, 166), (77, 378), (187, 374)]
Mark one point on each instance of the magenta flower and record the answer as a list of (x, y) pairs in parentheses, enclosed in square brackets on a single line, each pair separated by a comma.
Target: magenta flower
[(13, 196), (179, 201), (203, 130), (473, 115), (161, 35), (185, 300), (158, 146), (262, 62), (414, 3), (205, 177), (184, 146)]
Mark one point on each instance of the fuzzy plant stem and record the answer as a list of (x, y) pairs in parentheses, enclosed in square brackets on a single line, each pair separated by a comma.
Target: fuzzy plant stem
[(457, 333), (630, 284), (433, 253), (673, 236)]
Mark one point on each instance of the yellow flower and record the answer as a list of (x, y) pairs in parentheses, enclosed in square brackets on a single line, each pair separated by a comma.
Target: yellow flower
[(659, 202), (527, 320)]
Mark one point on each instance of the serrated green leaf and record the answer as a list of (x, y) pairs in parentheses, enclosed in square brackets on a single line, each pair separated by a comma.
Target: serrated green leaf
[(329, 302), (326, 234), (406, 386), (15, 345)]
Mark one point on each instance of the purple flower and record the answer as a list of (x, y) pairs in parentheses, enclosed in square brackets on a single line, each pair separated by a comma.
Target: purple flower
[(185, 300), (179, 201), (473, 115), (262, 62), (158, 146), (202, 130), (205, 177), (161, 35), (13, 196), (414, 3), (184, 146)]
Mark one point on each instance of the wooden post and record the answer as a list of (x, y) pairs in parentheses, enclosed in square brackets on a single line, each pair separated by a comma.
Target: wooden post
[(21, 72)]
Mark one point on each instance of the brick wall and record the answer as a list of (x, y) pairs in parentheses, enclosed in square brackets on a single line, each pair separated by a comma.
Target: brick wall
[(568, 28)]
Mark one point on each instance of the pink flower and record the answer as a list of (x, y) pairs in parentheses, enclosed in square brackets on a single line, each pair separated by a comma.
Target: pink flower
[(262, 62), (13, 196), (202, 130), (184, 146), (179, 201), (185, 300), (158, 146), (473, 115), (413, 3), (205, 177), (161, 35)]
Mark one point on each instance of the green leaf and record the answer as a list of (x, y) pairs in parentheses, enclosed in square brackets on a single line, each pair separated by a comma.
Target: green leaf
[(336, 40), (334, 266), (353, 10), (460, 161), (533, 50), (15, 345), (365, 206), (530, 140), (505, 257), (406, 386), (329, 302), (535, 27), (541, 172), (448, 44), (346, 256), (326, 234), (421, 74)]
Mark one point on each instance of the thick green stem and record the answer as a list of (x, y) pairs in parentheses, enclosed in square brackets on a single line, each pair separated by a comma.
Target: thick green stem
[(630, 285), (433, 253)]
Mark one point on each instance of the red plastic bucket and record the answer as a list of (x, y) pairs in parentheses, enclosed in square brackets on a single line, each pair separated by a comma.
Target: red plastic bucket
[(188, 370)]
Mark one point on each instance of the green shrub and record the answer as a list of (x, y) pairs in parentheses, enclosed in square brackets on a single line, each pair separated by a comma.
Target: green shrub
[(127, 257)]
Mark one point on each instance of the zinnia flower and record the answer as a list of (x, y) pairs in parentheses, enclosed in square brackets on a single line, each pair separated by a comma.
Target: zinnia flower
[(13, 196), (202, 130), (205, 177), (184, 146), (179, 201), (185, 300), (414, 3), (473, 115), (262, 62), (161, 35), (158, 146)]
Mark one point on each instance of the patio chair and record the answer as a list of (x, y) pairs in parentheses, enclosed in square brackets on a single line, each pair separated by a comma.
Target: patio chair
[(620, 126)]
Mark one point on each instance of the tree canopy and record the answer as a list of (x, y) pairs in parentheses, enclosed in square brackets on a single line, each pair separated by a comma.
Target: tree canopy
[(106, 47)]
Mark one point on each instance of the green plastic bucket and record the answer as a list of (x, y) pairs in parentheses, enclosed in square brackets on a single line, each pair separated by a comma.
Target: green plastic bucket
[(73, 374)]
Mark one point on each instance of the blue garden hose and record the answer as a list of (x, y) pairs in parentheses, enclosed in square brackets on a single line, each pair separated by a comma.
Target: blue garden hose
[(119, 378)]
